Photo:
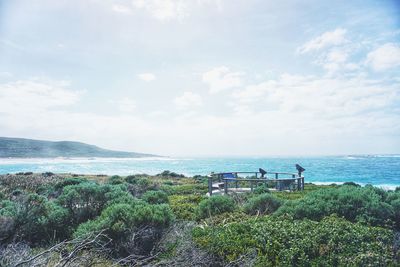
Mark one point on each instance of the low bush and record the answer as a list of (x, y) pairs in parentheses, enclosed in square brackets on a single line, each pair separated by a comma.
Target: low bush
[(185, 189), (69, 181), (262, 204), (155, 197), (8, 208), (261, 189), (139, 222), (356, 204), (36, 219), (116, 179), (284, 242), (215, 205), (30, 183), (351, 184), (137, 185), (170, 174), (86, 200), (184, 206)]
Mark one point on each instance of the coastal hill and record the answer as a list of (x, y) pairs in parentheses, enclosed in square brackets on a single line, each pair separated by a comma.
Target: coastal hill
[(29, 148)]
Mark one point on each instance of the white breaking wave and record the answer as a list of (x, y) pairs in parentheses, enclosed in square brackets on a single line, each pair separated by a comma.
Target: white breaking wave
[(10, 161)]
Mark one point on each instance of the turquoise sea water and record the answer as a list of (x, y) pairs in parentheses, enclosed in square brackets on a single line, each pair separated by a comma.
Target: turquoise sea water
[(379, 170)]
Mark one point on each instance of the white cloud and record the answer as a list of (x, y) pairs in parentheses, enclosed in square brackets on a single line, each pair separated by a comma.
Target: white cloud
[(168, 10), (126, 105), (338, 56), (321, 98), (336, 60), (327, 39), (31, 96), (147, 77), (221, 78), (384, 57), (122, 9), (164, 9), (188, 99), (293, 114)]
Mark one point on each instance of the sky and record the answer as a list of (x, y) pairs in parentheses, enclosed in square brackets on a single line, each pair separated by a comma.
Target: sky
[(203, 77)]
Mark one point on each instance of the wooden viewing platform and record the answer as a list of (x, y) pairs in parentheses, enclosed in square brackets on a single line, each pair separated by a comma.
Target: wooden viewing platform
[(242, 182)]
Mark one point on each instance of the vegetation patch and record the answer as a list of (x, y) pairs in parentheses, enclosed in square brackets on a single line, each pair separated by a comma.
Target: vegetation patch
[(369, 205), (215, 205), (167, 220), (286, 242), (262, 204), (184, 206)]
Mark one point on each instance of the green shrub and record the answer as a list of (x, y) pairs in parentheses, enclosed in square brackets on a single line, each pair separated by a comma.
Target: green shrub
[(8, 208), (121, 222), (170, 174), (356, 204), (215, 205), (38, 220), (115, 179), (396, 207), (184, 206), (137, 185), (185, 189), (118, 218), (69, 181), (137, 180), (262, 204), (284, 242), (86, 200), (261, 189), (155, 197), (394, 200), (227, 218), (351, 184)]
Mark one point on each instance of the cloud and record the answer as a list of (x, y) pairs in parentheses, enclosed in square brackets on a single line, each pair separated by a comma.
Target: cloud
[(147, 77), (384, 57), (327, 39), (221, 78), (336, 60), (333, 52), (293, 114), (123, 9), (320, 98), (187, 100), (169, 10), (126, 105), (164, 10), (32, 96)]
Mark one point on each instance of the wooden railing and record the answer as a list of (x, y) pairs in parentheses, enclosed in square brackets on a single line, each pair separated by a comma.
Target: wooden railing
[(291, 181)]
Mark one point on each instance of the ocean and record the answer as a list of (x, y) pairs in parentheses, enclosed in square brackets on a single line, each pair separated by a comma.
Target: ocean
[(378, 170)]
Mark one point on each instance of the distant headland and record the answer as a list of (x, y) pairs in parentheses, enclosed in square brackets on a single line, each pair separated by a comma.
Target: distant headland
[(29, 148)]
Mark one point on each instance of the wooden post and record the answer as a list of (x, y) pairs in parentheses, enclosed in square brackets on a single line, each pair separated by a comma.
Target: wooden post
[(226, 186), (302, 183), (299, 183), (251, 186)]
